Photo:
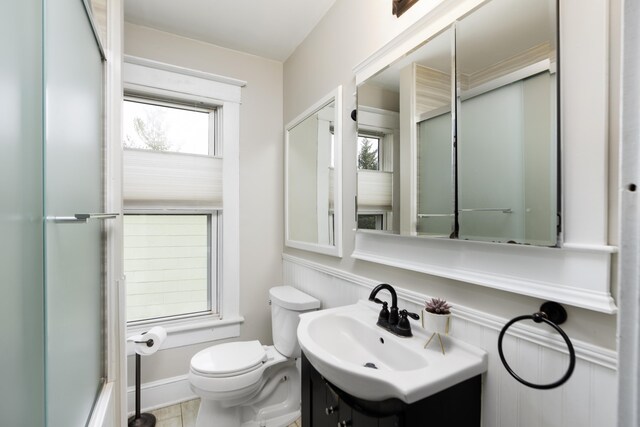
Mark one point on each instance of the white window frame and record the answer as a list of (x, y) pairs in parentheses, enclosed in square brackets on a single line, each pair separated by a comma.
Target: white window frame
[(163, 81)]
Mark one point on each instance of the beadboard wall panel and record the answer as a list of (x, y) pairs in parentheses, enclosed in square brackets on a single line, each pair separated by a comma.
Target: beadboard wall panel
[(588, 399)]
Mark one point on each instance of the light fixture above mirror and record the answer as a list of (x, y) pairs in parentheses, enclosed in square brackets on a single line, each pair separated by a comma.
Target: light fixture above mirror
[(401, 6)]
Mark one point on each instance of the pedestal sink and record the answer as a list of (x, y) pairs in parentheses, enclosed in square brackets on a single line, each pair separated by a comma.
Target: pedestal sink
[(346, 346)]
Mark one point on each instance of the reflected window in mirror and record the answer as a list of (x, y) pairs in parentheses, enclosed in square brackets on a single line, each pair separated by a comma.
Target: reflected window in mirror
[(368, 152), (477, 144)]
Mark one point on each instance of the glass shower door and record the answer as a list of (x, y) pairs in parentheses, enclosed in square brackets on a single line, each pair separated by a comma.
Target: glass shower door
[(73, 184)]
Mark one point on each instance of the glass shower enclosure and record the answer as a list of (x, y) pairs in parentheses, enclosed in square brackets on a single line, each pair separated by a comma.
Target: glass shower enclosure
[(52, 133)]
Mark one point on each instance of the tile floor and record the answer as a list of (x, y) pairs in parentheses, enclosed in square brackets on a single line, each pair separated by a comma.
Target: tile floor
[(184, 415)]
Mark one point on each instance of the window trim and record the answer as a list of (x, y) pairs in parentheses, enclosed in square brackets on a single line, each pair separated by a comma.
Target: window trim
[(144, 77)]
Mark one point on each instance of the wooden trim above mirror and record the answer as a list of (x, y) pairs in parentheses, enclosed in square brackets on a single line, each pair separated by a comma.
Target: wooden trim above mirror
[(401, 6)]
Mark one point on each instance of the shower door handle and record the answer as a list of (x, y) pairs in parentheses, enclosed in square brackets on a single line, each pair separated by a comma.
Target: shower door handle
[(81, 218)]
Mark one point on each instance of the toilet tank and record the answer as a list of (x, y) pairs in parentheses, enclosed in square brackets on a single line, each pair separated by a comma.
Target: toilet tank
[(287, 303)]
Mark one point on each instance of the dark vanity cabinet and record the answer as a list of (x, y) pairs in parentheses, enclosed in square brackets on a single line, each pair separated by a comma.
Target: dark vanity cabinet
[(324, 405)]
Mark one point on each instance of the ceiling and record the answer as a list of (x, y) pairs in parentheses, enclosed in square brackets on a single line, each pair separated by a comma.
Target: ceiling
[(271, 29)]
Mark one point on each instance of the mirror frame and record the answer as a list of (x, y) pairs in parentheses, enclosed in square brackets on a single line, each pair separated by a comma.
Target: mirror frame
[(335, 96), (578, 272)]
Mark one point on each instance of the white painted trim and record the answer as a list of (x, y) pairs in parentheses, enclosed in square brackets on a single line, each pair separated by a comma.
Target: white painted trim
[(629, 227), (158, 394), (191, 331), (512, 77), (109, 409), (169, 81), (585, 351), (334, 96), (184, 71), (104, 412), (156, 78), (377, 119), (575, 277)]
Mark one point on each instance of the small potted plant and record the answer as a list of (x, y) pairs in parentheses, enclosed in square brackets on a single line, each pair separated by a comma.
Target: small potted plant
[(436, 316)]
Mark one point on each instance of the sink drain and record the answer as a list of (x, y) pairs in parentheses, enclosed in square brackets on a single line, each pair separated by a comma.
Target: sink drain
[(370, 365)]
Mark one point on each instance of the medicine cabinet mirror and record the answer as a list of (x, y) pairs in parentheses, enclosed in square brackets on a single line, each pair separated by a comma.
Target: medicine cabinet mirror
[(459, 137), (313, 177)]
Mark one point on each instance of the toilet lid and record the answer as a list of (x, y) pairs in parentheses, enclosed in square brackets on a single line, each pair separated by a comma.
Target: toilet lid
[(229, 358)]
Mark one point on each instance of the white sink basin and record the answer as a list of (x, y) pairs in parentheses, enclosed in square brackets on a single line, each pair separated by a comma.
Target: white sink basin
[(339, 342)]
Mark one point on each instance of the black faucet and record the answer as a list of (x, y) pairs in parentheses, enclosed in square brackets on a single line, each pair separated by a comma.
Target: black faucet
[(387, 317), (391, 319)]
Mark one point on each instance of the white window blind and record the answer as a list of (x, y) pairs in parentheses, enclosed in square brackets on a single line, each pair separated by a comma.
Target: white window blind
[(375, 190), (160, 179)]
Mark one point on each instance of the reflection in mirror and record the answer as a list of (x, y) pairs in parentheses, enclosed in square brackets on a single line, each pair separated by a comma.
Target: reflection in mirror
[(434, 118), (507, 136), (312, 178), (417, 88), (473, 150)]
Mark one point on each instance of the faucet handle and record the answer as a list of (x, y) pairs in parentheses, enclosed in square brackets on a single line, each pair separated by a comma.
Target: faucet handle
[(403, 328), (414, 316)]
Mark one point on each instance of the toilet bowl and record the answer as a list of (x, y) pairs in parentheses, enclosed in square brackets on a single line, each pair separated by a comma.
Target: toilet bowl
[(247, 384)]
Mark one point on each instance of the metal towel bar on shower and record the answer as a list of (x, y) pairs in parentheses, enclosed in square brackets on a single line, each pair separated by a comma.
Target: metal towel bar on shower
[(82, 218)]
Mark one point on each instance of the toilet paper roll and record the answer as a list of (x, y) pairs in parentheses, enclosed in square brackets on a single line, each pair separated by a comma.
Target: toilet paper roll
[(149, 342)]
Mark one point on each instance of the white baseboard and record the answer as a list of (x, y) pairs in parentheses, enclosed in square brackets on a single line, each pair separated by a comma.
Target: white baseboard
[(158, 394)]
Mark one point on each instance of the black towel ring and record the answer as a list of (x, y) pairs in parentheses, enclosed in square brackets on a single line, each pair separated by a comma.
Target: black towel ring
[(553, 314)]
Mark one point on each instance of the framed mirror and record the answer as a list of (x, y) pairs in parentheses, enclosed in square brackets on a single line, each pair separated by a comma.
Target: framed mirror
[(475, 151), (313, 179)]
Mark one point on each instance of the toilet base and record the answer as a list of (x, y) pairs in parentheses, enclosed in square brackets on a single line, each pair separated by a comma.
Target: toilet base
[(145, 420), (276, 403)]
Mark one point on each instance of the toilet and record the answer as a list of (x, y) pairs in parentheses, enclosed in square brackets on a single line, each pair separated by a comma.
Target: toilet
[(247, 384)]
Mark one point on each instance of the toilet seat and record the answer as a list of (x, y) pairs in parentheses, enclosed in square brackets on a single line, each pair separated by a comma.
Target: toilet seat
[(229, 359)]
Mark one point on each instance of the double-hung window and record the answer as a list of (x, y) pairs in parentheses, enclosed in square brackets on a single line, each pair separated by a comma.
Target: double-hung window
[(175, 144), (170, 232)]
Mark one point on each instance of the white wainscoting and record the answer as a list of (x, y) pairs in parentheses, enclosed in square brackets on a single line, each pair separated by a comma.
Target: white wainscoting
[(588, 399), (159, 394)]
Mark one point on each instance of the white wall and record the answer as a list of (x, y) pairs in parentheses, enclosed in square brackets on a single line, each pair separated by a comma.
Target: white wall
[(261, 172), (350, 32)]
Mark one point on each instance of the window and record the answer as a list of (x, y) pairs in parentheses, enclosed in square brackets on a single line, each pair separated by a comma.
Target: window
[(170, 265), (170, 259), (374, 183), (371, 221), (368, 152), (162, 126), (181, 139)]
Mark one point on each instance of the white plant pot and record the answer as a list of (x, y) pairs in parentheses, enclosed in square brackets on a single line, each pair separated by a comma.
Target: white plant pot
[(439, 323)]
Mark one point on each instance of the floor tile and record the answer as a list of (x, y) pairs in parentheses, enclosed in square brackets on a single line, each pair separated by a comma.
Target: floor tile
[(190, 412), (168, 412), (170, 422)]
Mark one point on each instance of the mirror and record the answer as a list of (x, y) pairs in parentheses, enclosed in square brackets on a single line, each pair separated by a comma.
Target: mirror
[(507, 125), (489, 80), (313, 177)]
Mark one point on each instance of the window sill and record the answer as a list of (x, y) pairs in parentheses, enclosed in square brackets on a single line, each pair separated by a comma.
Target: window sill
[(185, 332)]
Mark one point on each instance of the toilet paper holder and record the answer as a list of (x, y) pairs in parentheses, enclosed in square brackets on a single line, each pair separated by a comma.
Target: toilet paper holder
[(148, 342)]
